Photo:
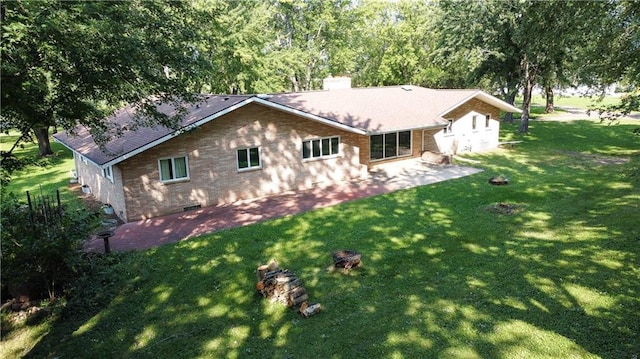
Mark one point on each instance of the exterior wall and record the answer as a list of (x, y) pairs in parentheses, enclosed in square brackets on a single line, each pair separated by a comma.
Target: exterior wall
[(463, 138), (99, 186), (365, 150), (213, 174), (430, 143)]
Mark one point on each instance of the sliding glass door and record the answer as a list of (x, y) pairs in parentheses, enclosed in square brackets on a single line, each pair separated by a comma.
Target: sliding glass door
[(390, 145)]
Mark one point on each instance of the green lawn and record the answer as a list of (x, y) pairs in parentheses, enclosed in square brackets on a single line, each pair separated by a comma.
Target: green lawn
[(582, 102), (53, 172), (546, 267), (538, 104)]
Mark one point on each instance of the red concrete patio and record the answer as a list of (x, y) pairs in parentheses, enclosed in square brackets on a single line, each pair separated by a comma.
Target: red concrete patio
[(182, 226)]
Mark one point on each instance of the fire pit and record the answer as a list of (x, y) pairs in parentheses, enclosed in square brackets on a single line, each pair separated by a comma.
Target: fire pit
[(346, 259), (499, 181)]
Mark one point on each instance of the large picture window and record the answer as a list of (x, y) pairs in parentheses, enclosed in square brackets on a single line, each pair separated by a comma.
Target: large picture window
[(172, 169), (390, 145), (322, 147), (249, 158)]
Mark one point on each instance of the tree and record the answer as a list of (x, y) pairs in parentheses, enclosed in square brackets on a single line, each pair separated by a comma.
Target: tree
[(69, 63), (614, 57), (237, 42), (395, 42), (478, 38), (522, 43), (308, 33)]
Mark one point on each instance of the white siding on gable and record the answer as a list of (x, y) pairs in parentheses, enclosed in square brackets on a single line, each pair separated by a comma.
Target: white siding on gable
[(105, 184), (464, 137)]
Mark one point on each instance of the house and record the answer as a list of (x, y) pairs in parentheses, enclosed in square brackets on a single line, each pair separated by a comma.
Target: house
[(246, 146)]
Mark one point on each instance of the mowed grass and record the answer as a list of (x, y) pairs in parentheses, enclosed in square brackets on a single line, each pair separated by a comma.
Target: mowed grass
[(52, 174), (446, 273)]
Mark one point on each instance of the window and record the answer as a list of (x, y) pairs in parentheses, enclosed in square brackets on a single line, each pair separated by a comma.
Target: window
[(108, 173), (474, 122), (173, 169), (322, 147), (404, 143), (487, 120), (449, 127), (389, 145), (249, 158)]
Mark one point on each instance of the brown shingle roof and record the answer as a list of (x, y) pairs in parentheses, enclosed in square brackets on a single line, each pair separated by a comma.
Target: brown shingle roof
[(379, 109), (363, 110), (131, 142)]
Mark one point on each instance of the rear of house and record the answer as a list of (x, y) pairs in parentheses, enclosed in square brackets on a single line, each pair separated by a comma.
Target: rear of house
[(244, 147)]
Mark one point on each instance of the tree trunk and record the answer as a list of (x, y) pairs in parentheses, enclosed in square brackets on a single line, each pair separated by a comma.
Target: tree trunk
[(44, 146), (526, 102), (549, 92), (510, 98), (294, 83), (526, 107)]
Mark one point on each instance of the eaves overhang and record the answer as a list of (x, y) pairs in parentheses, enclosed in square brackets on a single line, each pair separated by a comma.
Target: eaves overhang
[(484, 97)]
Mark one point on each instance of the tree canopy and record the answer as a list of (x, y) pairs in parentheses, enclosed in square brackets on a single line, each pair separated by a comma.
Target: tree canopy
[(69, 63)]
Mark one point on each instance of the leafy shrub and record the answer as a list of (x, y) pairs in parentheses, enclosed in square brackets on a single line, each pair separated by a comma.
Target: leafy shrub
[(101, 278), (41, 247)]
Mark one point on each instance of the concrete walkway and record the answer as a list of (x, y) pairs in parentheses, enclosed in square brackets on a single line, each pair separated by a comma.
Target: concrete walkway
[(181, 226)]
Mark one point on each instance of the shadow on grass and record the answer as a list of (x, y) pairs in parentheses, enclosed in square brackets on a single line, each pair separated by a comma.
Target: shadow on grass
[(442, 277)]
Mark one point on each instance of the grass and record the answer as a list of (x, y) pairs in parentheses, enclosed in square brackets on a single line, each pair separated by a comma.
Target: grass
[(538, 104), (444, 275), (582, 102), (50, 175)]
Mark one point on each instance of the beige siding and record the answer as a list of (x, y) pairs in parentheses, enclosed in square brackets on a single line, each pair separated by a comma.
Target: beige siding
[(214, 177)]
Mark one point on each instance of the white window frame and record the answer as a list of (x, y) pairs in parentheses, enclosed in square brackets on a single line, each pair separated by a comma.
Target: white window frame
[(474, 122), (248, 151), (487, 120), (173, 166), (320, 141), (449, 128), (107, 172)]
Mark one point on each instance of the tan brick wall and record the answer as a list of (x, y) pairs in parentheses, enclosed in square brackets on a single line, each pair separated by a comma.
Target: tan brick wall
[(365, 152), (214, 178), (473, 105)]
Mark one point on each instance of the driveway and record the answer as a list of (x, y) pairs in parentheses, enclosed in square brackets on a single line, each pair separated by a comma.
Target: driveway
[(182, 226)]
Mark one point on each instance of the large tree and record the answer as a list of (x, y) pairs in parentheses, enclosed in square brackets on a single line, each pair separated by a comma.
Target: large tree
[(520, 44), (237, 40), (308, 34), (614, 56), (478, 39), (69, 63), (395, 42)]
